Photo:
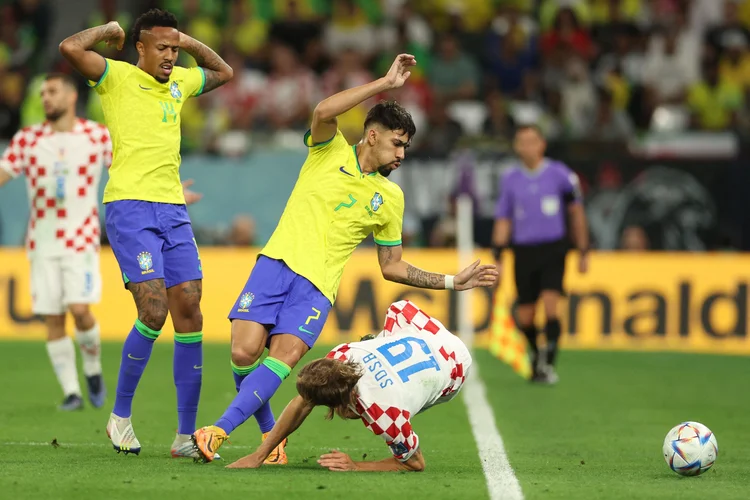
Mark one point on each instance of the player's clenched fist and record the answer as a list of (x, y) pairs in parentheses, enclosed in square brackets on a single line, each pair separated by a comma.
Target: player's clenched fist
[(115, 35)]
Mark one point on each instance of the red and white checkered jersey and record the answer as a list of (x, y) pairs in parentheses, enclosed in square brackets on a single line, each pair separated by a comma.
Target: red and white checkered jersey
[(412, 365), (62, 172)]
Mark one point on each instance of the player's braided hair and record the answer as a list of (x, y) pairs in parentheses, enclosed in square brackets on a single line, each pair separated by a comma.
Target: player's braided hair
[(392, 116), (150, 19), (328, 382)]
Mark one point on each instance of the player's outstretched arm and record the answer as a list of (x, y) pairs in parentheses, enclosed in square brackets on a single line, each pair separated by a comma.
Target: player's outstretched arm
[(398, 270), (324, 121), (291, 418), (216, 70), (77, 49), (341, 462)]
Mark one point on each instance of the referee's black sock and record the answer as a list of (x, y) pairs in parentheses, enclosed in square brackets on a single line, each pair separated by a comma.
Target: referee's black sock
[(553, 330), (531, 332)]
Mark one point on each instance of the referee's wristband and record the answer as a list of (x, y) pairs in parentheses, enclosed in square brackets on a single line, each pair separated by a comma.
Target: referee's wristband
[(497, 250)]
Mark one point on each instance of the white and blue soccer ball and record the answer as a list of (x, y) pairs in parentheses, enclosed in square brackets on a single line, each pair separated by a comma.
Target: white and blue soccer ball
[(690, 449)]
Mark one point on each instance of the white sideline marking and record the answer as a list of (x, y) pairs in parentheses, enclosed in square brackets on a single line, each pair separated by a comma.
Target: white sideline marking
[(501, 480)]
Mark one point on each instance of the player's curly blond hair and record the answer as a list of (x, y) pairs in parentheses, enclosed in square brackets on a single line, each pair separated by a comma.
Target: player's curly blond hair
[(328, 382)]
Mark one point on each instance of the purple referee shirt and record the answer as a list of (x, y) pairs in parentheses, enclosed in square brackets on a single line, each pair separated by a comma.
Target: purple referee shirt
[(536, 201)]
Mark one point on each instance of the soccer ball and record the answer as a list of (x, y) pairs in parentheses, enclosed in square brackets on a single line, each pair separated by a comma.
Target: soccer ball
[(690, 449)]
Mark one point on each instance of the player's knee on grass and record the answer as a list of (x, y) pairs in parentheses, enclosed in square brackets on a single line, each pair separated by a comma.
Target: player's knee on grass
[(55, 324), (151, 301), (416, 462), (248, 342)]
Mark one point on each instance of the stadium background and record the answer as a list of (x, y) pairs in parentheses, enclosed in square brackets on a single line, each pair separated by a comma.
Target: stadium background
[(623, 90)]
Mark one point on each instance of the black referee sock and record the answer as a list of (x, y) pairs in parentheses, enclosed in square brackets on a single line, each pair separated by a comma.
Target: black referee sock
[(552, 330), (531, 332)]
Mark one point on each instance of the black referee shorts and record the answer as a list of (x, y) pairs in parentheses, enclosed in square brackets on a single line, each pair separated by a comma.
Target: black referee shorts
[(537, 268)]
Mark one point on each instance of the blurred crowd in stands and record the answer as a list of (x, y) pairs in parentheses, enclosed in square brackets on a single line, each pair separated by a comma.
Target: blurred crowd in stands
[(591, 69)]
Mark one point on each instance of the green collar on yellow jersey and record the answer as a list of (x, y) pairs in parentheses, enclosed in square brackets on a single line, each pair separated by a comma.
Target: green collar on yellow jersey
[(354, 149)]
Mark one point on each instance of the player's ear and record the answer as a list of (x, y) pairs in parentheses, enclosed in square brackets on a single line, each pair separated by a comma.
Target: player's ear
[(372, 136), (140, 48)]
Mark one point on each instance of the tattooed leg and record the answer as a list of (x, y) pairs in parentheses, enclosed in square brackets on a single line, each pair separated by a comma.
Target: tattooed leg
[(151, 302), (185, 306)]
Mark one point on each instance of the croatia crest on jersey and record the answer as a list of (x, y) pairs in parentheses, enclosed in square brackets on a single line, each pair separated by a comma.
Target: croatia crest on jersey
[(376, 202), (245, 300), (175, 90), (145, 262)]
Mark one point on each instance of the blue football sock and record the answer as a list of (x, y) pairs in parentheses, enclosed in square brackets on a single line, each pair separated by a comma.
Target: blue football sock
[(264, 415), (187, 369), (255, 391), (135, 354)]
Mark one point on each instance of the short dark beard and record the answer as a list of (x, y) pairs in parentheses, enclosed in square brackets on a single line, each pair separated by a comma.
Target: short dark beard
[(53, 116), (160, 80), (384, 170)]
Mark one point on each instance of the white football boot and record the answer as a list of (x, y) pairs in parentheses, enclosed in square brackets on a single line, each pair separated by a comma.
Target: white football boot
[(120, 431)]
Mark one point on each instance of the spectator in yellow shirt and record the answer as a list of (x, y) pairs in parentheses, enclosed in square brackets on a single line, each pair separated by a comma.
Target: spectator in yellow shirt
[(714, 103)]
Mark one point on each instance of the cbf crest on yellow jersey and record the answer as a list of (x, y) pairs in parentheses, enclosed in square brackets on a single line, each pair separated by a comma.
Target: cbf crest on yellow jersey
[(333, 207), (143, 117)]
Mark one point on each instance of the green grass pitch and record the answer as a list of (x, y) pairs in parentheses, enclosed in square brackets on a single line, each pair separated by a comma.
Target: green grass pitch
[(596, 435)]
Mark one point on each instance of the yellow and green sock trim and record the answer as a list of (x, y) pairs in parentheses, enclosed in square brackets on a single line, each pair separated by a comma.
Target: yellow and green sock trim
[(245, 370), (281, 369), (188, 338), (146, 331)]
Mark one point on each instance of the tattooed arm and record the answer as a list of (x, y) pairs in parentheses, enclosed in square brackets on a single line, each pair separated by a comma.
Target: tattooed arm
[(400, 271), (216, 70), (77, 48)]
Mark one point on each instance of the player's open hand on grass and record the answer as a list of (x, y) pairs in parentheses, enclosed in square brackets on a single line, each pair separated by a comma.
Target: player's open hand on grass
[(116, 36), (190, 196), (337, 461), (399, 72), (476, 275), (252, 461)]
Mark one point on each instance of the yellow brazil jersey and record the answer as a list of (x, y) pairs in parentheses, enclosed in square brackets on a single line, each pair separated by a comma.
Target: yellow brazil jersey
[(333, 207), (143, 117)]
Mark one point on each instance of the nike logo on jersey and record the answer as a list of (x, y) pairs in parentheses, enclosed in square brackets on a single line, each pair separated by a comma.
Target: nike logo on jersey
[(343, 171), (197, 367), (134, 358), (305, 330), (144, 88)]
